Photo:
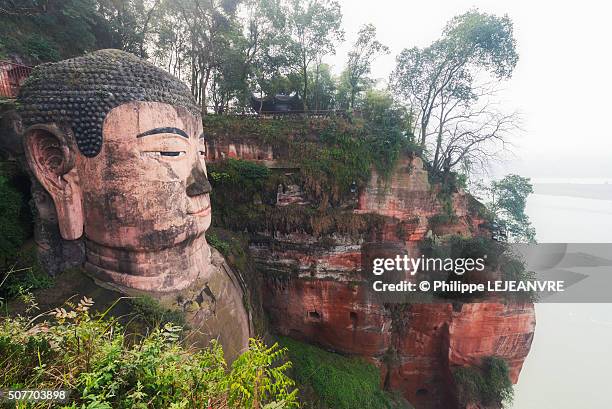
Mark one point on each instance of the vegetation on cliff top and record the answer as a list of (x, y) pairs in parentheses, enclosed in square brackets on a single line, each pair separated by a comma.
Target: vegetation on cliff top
[(334, 155), (104, 367)]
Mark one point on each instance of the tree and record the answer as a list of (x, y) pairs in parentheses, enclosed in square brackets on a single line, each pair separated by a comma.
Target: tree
[(323, 88), (130, 22), (208, 34), (388, 123), (446, 83), (23, 7), (50, 30), (508, 199), (268, 53), (315, 27), (360, 59)]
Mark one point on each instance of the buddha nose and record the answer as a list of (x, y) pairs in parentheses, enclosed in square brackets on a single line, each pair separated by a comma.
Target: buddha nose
[(197, 182)]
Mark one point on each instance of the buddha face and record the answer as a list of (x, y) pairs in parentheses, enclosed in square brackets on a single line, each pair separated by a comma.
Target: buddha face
[(142, 202), (147, 189)]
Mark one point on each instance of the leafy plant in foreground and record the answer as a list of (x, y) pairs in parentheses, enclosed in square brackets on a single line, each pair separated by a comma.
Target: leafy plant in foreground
[(69, 348)]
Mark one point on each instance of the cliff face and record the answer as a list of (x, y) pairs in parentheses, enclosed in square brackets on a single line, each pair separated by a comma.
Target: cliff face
[(314, 289)]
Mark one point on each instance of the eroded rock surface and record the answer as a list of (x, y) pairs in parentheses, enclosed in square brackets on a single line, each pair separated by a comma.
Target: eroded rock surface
[(315, 290)]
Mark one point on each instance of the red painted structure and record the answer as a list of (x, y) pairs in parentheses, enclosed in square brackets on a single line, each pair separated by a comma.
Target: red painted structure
[(12, 75)]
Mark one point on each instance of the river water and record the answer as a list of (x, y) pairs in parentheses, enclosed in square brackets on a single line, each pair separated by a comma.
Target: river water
[(570, 362)]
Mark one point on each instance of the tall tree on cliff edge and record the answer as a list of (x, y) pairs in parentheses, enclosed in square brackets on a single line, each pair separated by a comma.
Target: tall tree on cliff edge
[(358, 67), (508, 199), (450, 88), (315, 27)]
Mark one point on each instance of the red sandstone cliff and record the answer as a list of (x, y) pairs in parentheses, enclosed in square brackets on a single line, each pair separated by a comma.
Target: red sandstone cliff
[(314, 292)]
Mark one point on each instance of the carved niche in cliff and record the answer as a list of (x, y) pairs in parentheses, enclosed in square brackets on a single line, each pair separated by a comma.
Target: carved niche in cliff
[(115, 146)]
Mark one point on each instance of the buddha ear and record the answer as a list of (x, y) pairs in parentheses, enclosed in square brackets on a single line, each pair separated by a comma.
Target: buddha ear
[(51, 158)]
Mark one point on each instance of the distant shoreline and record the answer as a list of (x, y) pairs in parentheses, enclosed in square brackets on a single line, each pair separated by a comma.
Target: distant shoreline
[(601, 191)]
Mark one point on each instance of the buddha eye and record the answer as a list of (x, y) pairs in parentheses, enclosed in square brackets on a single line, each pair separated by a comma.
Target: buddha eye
[(202, 153), (167, 154), (173, 154)]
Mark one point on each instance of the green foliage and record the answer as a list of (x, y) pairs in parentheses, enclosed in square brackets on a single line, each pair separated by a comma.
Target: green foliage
[(41, 33), (13, 233), (314, 29), (356, 75), (483, 39), (155, 315), (508, 202), (440, 219), (446, 81), (24, 274), (256, 378), (232, 245), (488, 385), (461, 247), (223, 246), (337, 381), (322, 88), (447, 184), (388, 130), (331, 166), (498, 256), (19, 267), (40, 49), (89, 354), (334, 155)]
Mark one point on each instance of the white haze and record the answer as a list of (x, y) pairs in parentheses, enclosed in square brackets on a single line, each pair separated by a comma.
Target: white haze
[(561, 84)]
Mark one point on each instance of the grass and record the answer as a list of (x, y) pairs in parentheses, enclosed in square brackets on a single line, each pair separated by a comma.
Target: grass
[(23, 274), (338, 382), (155, 315)]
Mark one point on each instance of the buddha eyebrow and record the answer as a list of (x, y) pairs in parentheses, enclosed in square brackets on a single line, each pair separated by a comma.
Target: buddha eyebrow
[(164, 130)]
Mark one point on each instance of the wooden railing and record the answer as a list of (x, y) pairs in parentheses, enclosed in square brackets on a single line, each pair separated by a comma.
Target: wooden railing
[(11, 77)]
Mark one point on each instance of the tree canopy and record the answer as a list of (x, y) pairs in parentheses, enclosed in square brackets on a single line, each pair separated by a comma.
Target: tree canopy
[(508, 200), (449, 86), (231, 50)]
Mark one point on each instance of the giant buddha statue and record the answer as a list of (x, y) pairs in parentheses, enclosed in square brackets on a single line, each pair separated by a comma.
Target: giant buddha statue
[(117, 146)]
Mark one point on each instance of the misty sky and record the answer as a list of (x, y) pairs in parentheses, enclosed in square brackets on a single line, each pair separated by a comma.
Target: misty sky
[(561, 84)]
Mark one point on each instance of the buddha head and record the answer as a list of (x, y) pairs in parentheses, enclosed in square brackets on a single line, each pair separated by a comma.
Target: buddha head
[(117, 144)]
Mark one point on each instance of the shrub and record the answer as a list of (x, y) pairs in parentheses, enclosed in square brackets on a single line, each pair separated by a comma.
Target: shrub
[(41, 49), (488, 385), (441, 219), (339, 382), (223, 246), (13, 233), (498, 256), (88, 354), (388, 126), (462, 247), (155, 315), (23, 274)]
